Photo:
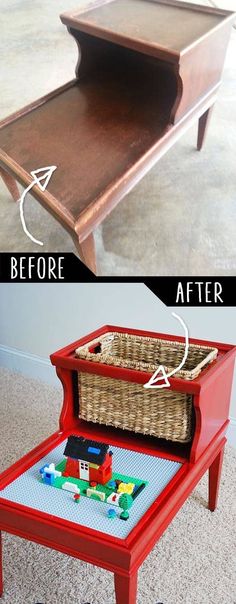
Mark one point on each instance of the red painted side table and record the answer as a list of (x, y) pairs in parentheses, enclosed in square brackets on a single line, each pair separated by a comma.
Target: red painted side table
[(210, 397)]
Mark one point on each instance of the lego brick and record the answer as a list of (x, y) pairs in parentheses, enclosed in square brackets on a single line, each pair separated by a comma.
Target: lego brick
[(126, 487), (96, 493), (114, 498), (71, 486)]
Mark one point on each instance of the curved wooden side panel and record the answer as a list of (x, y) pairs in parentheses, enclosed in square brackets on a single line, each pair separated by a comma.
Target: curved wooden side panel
[(92, 52), (68, 417), (179, 93), (154, 80)]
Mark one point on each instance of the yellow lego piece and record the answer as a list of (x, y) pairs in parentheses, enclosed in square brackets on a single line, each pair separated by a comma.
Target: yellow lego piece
[(126, 487)]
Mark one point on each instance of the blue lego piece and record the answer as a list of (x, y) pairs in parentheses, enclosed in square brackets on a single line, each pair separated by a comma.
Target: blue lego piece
[(94, 450), (42, 470), (112, 484), (111, 513), (48, 478)]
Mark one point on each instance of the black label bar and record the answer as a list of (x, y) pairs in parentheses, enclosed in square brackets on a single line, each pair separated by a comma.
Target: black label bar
[(67, 268)]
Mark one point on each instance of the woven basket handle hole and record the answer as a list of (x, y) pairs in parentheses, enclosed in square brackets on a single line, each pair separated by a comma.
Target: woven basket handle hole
[(95, 348)]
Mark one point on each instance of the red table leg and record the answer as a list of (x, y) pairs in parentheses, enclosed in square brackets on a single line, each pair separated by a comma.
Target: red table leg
[(126, 588), (214, 480), (1, 572)]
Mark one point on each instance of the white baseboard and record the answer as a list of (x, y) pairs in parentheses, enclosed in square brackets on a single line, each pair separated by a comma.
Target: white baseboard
[(40, 368), (231, 434), (31, 365)]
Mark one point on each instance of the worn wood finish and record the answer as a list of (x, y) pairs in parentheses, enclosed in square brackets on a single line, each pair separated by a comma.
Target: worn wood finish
[(95, 212), (203, 124), (134, 95), (119, 115), (92, 216), (214, 480), (10, 184)]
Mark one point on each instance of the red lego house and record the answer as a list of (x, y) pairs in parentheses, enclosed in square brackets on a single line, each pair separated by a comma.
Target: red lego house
[(88, 460)]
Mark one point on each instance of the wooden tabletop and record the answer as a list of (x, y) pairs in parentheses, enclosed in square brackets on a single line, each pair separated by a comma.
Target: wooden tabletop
[(93, 131)]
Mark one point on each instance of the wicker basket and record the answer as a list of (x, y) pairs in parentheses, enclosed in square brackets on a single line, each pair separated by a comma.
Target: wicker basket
[(162, 413)]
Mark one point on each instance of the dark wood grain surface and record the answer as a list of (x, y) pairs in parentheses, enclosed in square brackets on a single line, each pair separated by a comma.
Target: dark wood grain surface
[(93, 131)]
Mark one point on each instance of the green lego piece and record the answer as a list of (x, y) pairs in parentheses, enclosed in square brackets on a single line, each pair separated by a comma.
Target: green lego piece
[(125, 502)]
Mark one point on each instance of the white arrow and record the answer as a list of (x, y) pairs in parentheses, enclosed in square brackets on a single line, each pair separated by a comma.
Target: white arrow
[(160, 374), (42, 182)]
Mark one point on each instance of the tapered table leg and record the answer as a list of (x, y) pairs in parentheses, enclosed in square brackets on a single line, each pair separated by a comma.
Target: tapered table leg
[(86, 251), (10, 184), (203, 124), (126, 588), (1, 570), (214, 480)]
